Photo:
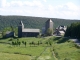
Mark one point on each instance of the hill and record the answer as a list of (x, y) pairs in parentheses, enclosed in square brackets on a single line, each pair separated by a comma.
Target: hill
[(31, 22)]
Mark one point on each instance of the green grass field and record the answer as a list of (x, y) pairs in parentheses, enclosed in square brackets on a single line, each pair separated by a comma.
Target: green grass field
[(62, 47), (66, 50), (9, 56)]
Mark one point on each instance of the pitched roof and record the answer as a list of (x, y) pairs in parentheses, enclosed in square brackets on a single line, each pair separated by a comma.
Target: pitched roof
[(31, 30), (21, 23), (62, 32), (8, 32), (49, 20)]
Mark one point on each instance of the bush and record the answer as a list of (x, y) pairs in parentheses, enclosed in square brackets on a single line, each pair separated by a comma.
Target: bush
[(67, 59), (39, 36), (77, 46), (16, 53), (23, 42), (49, 32)]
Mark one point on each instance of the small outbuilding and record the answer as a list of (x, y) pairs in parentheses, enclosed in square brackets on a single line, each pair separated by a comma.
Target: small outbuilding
[(9, 34), (60, 30)]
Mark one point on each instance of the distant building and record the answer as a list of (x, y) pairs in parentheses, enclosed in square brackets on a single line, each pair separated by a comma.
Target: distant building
[(43, 30), (60, 30), (49, 25), (9, 34), (26, 32)]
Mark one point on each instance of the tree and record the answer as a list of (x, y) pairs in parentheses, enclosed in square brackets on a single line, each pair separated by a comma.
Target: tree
[(19, 43), (46, 43), (50, 43), (13, 43), (12, 29), (49, 32), (25, 44), (73, 30), (30, 43), (38, 42), (3, 34)]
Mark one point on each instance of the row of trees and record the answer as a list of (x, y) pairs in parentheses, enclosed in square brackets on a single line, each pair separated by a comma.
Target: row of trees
[(73, 30), (48, 43), (18, 43)]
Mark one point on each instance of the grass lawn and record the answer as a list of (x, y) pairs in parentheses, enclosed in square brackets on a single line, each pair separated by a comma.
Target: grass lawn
[(66, 50), (32, 51), (29, 50), (8, 56), (62, 47)]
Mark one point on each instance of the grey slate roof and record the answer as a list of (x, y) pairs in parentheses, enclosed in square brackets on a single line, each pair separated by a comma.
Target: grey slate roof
[(21, 23), (31, 30), (49, 20)]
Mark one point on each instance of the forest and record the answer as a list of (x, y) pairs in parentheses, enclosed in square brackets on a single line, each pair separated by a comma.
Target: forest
[(31, 22)]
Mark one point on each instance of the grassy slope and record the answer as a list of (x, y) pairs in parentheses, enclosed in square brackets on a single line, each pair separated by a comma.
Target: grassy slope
[(7, 56), (62, 47), (66, 50), (33, 51), (21, 49)]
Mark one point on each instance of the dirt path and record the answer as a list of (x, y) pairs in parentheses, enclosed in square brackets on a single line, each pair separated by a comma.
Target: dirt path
[(54, 55), (41, 53)]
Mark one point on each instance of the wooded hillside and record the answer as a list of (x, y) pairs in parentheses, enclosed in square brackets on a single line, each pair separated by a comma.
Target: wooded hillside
[(31, 22)]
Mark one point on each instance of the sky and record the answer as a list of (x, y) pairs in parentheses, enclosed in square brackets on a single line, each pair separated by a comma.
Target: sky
[(66, 9)]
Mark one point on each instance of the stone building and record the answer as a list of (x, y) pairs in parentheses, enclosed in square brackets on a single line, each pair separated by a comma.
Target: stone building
[(49, 25), (27, 32), (60, 30)]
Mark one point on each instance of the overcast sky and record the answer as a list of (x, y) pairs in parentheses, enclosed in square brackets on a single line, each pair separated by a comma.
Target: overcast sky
[(66, 9)]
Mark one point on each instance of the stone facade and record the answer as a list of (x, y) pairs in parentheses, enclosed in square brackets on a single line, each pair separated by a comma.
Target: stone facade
[(26, 32), (49, 25)]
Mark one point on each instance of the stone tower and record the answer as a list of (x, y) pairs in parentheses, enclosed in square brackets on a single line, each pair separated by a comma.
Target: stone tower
[(20, 28), (49, 25)]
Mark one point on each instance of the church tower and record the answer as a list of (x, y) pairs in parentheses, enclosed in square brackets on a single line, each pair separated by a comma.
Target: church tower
[(20, 28), (49, 25)]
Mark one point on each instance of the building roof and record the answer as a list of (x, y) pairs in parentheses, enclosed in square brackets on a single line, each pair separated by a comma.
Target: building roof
[(49, 20), (21, 23), (62, 32), (31, 30), (8, 32)]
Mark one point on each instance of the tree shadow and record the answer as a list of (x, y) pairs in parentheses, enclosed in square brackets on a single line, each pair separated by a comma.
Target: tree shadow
[(4, 43), (3, 38), (57, 38), (62, 40)]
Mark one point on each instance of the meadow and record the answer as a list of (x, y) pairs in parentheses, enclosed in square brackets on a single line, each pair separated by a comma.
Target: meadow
[(59, 49)]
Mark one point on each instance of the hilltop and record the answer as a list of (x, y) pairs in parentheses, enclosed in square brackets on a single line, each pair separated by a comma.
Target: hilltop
[(31, 22)]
